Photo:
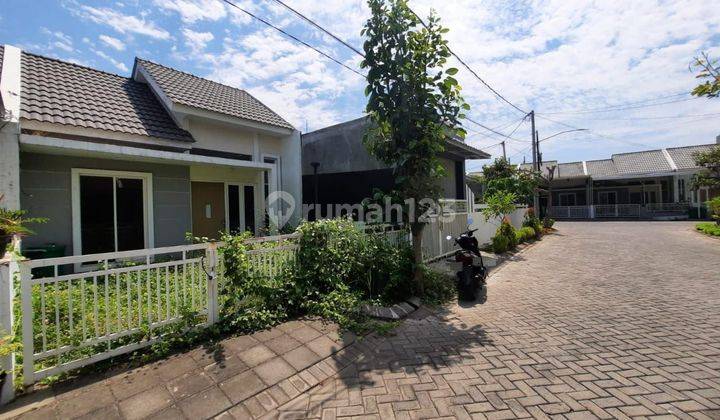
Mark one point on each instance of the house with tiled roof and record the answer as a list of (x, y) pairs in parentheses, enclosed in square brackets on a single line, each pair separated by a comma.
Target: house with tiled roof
[(645, 184), (119, 163)]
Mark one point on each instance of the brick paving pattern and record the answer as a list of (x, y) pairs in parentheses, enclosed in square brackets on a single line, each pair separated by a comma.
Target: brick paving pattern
[(602, 320)]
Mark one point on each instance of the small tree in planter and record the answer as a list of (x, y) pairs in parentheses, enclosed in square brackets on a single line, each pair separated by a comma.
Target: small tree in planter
[(498, 206)]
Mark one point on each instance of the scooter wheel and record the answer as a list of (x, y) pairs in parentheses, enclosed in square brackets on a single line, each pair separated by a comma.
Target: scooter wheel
[(482, 294)]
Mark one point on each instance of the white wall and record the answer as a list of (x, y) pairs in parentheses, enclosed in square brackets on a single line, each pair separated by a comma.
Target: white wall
[(486, 230)]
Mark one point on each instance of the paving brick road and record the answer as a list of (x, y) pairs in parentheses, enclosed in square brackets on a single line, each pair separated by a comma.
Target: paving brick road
[(601, 320), (606, 320)]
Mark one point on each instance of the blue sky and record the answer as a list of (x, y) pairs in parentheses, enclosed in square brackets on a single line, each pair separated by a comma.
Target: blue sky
[(569, 61)]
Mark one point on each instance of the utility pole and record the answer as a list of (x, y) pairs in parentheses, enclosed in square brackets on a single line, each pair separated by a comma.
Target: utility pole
[(504, 154), (533, 135)]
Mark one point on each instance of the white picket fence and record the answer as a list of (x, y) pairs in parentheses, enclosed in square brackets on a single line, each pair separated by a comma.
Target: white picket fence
[(79, 310)]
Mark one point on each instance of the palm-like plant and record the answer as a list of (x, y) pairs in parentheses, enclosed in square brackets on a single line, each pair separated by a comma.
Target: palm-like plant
[(14, 222)]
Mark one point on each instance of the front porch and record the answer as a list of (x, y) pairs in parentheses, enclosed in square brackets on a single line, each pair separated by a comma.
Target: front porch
[(109, 198), (649, 197)]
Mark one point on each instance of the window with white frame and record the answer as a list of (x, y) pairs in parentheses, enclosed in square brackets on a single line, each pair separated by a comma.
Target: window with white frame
[(112, 211)]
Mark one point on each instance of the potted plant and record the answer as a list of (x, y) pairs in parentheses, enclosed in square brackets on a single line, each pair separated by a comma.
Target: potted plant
[(13, 222)]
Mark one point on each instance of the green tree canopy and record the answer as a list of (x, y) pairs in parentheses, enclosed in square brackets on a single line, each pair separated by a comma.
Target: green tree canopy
[(710, 160), (502, 176)]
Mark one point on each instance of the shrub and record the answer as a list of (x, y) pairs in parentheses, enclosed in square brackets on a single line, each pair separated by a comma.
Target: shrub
[(439, 288), (532, 221), (525, 234), (507, 230), (548, 222), (708, 228), (500, 244), (714, 207), (337, 267)]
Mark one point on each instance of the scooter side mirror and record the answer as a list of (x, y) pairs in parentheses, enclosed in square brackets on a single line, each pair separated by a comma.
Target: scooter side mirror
[(449, 238)]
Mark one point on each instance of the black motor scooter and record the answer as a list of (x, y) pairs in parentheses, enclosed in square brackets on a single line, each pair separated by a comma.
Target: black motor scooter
[(471, 284)]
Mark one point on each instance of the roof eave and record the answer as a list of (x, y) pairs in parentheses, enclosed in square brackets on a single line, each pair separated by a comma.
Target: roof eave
[(191, 111)]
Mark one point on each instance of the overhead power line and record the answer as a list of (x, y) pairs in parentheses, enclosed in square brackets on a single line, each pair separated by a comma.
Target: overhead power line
[(492, 130), (313, 23), (591, 132), (293, 37), (667, 117), (477, 76), (623, 108), (618, 105)]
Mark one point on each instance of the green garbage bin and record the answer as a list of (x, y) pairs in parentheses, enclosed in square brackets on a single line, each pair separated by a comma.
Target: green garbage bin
[(41, 252)]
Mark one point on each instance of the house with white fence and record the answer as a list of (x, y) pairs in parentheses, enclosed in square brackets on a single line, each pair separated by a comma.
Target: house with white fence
[(123, 163), (650, 184), (123, 167)]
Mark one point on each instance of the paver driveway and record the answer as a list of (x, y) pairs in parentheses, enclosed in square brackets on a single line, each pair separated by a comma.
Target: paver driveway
[(602, 320)]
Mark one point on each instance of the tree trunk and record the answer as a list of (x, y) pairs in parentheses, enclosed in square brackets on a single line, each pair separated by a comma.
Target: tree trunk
[(416, 230)]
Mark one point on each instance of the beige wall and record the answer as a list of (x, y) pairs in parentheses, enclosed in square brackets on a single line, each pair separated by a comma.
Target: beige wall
[(214, 136)]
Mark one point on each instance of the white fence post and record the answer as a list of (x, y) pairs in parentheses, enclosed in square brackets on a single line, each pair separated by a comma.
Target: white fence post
[(7, 296), (212, 261), (27, 324)]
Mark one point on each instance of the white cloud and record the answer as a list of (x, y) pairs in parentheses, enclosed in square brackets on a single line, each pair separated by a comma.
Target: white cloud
[(196, 41), (118, 64), (59, 41), (195, 10), (121, 22), (112, 42)]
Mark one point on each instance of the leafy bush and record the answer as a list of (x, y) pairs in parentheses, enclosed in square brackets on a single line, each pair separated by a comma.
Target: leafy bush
[(499, 205), (532, 221), (337, 266), (708, 228), (525, 234), (508, 230), (714, 207), (548, 222), (500, 244)]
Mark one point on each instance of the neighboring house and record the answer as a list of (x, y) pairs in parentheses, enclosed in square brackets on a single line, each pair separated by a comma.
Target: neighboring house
[(121, 163), (646, 184), (346, 173)]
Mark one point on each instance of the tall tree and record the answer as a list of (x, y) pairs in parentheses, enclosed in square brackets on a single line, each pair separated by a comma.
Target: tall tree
[(414, 105), (708, 69)]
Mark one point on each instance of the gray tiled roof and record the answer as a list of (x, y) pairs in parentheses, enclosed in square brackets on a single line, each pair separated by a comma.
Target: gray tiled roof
[(683, 156), (641, 162), (58, 92), (603, 167), (569, 170), (190, 90)]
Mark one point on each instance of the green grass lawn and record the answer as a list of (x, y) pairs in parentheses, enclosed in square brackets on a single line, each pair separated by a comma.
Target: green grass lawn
[(708, 228)]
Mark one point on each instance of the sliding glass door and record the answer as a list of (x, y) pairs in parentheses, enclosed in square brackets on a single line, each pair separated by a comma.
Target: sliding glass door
[(241, 208), (110, 211)]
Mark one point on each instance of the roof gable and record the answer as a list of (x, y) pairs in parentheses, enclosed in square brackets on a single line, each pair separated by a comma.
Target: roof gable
[(602, 167), (641, 162), (683, 156), (190, 90), (59, 92)]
